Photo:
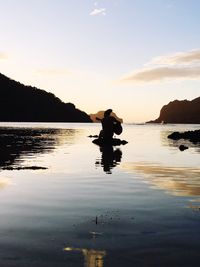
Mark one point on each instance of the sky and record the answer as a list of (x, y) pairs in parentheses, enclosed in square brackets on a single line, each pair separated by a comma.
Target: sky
[(133, 56)]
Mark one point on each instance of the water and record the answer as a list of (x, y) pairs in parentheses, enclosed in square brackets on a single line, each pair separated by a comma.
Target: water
[(66, 202)]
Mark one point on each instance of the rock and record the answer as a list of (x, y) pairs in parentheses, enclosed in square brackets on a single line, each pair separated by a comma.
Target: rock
[(10, 168), (175, 136), (93, 136), (183, 147), (183, 111), (192, 136), (113, 142), (100, 116)]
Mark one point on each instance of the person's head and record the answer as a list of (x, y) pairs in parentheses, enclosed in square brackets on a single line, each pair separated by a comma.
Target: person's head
[(107, 112)]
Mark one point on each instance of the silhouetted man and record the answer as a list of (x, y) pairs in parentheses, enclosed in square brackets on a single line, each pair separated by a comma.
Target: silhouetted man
[(109, 124)]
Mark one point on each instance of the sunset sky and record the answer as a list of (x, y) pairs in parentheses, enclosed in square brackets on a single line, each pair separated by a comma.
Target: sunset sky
[(130, 55)]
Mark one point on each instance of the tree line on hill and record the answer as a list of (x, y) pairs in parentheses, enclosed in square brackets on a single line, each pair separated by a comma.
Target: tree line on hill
[(180, 111), (22, 103)]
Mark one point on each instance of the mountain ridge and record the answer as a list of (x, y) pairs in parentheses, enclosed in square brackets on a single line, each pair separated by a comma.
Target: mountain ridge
[(180, 111), (22, 103)]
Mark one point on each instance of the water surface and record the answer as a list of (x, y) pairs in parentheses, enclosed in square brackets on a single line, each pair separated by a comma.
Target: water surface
[(66, 202)]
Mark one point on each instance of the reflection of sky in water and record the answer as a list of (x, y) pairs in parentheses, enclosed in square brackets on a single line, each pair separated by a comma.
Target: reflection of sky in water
[(179, 181), (158, 160), (92, 258), (45, 211), (4, 182)]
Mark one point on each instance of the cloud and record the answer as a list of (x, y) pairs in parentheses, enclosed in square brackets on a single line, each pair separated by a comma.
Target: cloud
[(3, 55), (191, 57), (98, 11), (178, 66), (163, 73)]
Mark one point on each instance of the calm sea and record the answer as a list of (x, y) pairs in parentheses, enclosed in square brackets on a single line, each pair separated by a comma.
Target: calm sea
[(66, 202)]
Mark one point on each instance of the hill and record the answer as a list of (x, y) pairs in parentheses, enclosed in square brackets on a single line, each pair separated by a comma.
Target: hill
[(29, 104), (183, 111), (100, 115)]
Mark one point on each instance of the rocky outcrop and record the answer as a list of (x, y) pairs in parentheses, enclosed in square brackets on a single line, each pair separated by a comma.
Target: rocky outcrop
[(113, 142), (184, 111), (192, 136), (100, 115)]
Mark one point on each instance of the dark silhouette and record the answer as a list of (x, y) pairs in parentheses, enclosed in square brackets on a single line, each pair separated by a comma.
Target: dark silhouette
[(181, 140), (28, 104), (114, 142), (183, 147), (110, 158), (110, 125), (192, 136), (180, 112)]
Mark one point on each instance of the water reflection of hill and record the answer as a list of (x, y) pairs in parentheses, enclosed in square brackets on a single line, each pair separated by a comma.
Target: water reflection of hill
[(18, 143), (180, 181)]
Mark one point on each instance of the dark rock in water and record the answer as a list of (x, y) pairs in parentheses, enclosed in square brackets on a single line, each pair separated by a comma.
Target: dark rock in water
[(192, 136), (175, 136), (113, 142), (16, 144), (24, 168), (183, 147), (93, 136)]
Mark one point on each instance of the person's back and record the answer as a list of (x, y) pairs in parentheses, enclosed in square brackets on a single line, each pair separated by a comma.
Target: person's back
[(108, 127)]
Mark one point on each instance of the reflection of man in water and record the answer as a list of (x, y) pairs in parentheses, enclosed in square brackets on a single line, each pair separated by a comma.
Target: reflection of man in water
[(110, 158)]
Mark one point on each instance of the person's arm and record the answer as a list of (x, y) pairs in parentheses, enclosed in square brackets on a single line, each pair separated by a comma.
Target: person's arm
[(115, 120)]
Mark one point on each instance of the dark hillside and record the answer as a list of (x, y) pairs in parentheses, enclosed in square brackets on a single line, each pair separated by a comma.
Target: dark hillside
[(184, 111), (26, 103)]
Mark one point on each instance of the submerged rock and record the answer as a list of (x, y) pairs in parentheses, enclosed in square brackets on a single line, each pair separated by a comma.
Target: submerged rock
[(193, 136), (183, 147), (112, 142), (93, 136), (10, 168)]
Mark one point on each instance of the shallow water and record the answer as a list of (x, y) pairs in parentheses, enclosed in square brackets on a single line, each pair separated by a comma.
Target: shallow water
[(66, 202)]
